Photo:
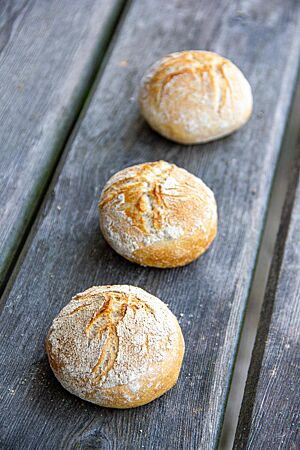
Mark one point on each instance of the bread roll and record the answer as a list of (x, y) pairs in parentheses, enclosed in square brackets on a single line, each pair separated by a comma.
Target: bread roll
[(116, 346), (194, 96), (156, 214)]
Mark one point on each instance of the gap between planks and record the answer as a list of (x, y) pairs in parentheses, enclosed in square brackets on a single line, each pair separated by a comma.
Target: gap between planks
[(270, 406), (280, 185)]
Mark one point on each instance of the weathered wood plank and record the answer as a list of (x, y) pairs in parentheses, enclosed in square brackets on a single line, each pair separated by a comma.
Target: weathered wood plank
[(48, 53), (270, 416), (67, 253)]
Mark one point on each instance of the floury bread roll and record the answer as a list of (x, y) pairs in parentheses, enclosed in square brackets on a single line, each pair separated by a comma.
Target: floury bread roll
[(195, 96), (156, 214), (116, 346)]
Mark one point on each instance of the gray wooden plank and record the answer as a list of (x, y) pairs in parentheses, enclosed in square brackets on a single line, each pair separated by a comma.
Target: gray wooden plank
[(67, 253), (270, 416), (48, 53)]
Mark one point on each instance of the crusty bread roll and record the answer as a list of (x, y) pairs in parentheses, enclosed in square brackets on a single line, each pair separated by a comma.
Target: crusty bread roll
[(156, 214), (116, 346), (195, 96)]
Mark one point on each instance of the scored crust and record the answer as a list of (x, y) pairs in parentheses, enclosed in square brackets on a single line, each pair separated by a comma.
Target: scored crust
[(116, 346), (195, 96), (158, 214)]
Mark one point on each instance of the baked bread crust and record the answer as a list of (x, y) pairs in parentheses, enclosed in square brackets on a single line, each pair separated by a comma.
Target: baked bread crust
[(116, 346), (157, 214), (193, 97)]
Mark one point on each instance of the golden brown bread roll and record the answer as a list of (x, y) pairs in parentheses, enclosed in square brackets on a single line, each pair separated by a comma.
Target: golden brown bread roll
[(156, 214), (195, 96), (116, 346)]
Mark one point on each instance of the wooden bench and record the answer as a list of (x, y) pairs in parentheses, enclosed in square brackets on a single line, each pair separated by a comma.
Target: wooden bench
[(51, 222)]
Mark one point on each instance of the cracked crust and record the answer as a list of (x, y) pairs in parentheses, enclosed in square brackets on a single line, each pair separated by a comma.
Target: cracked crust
[(157, 214), (116, 346), (195, 96)]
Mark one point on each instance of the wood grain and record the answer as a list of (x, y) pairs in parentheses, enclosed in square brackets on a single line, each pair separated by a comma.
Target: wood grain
[(48, 53), (66, 253), (270, 415)]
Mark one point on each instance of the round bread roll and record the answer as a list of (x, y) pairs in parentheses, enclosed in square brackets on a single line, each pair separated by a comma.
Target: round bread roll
[(195, 96), (156, 214), (116, 346)]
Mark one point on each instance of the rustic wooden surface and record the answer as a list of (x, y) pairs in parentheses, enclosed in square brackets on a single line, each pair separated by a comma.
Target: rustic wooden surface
[(270, 416), (48, 54), (65, 252)]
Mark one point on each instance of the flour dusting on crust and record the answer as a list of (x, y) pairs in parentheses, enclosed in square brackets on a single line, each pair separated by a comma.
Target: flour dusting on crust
[(195, 96), (152, 203), (110, 337)]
